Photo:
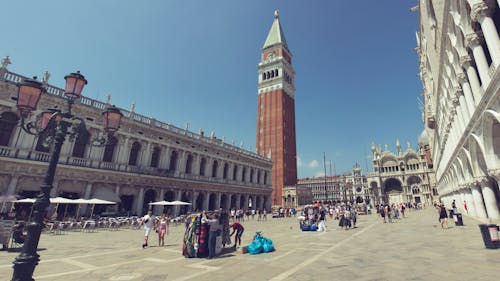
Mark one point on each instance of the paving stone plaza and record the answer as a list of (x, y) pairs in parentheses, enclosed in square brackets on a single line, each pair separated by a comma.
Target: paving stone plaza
[(414, 248)]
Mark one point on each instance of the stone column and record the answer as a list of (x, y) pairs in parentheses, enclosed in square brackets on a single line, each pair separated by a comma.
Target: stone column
[(238, 201), (477, 91), (146, 156), (489, 199), (481, 13), (467, 94), (178, 196), (478, 201), (474, 43), (158, 210), (86, 195), (55, 188), (140, 202), (206, 199), (193, 200), (218, 197), (196, 165), (181, 163), (228, 201), (470, 203), (11, 189)]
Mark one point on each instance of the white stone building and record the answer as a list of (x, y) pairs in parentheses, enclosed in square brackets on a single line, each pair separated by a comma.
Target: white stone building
[(459, 53), (401, 177), (147, 160)]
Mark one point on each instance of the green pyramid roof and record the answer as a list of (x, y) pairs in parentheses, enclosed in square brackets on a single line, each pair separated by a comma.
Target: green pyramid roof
[(276, 35)]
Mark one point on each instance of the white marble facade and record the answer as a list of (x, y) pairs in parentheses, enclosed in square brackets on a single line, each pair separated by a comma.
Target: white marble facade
[(459, 54), (150, 161)]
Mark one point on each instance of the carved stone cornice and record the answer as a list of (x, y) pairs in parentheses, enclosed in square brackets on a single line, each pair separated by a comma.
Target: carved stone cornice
[(474, 39), (466, 61), (480, 10), (462, 77)]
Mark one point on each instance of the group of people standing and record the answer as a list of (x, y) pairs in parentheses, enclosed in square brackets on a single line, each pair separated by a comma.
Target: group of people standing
[(241, 215), (392, 212)]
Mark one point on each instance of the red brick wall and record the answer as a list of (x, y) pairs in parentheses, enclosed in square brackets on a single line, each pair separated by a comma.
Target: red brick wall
[(277, 111)]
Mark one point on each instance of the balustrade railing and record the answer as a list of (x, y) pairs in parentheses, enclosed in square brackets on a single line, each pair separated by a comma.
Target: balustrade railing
[(55, 91), (11, 152)]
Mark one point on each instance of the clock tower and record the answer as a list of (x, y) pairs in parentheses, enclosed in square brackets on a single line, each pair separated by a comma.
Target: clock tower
[(276, 110)]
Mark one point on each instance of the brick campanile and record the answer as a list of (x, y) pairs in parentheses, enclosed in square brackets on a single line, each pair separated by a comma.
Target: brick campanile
[(276, 110)]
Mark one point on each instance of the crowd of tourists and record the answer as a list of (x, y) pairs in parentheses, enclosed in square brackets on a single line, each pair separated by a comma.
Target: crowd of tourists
[(242, 215)]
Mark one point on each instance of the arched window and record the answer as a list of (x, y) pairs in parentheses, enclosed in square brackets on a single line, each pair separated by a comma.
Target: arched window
[(235, 172), (134, 153), (8, 121), (155, 157), (263, 76), (203, 164), (258, 176), (276, 72), (215, 167), (226, 170), (109, 149), (189, 164), (173, 161), (81, 143), (244, 174), (272, 73), (265, 178), (251, 175)]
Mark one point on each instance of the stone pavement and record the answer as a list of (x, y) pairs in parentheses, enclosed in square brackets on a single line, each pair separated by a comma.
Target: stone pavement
[(415, 248)]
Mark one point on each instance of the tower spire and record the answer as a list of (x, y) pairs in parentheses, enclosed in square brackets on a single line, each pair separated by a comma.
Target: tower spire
[(275, 35)]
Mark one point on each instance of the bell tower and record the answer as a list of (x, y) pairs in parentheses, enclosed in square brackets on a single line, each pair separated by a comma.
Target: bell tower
[(276, 110)]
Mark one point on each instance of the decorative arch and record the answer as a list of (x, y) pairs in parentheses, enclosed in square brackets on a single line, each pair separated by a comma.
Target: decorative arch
[(215, 168), (212, 200), (392, 185), (412, 180), (477, 150), (149, 196), (169, 196), (223, 202), (491, 136), (226, 171)]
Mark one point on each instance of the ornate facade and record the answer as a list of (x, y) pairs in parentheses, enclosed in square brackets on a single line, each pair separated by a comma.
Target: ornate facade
[(295, 196), (346, 188), (146, 160), (459, 53), (401, 177), (276, 109)]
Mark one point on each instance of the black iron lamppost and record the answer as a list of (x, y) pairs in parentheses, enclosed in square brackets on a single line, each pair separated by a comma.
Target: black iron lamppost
[(53, 125)]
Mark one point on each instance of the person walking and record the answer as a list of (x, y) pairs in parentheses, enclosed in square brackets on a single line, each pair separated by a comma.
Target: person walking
[(162, 230), (354, 217), (321, 223), (148, 220), (465, 207), (238, 229), (443, 217)]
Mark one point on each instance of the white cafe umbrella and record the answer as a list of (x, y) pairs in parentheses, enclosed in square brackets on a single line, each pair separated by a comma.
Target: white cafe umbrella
[(160, 203), (177, 203), (61, 200), (80, 202), (26, 200), (95, 201)]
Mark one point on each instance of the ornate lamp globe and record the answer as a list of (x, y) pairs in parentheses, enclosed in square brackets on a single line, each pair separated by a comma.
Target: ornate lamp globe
[(74, 85), (112, 118), (28, 95)]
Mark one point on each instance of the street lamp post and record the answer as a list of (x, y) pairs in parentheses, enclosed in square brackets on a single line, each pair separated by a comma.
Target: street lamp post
[(53, 125)]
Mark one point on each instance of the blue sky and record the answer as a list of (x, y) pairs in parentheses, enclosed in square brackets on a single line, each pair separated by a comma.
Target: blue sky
[(196, 62)]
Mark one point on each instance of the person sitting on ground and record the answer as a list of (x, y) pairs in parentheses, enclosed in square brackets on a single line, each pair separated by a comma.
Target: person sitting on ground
[(18, 234), (238, 228)]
